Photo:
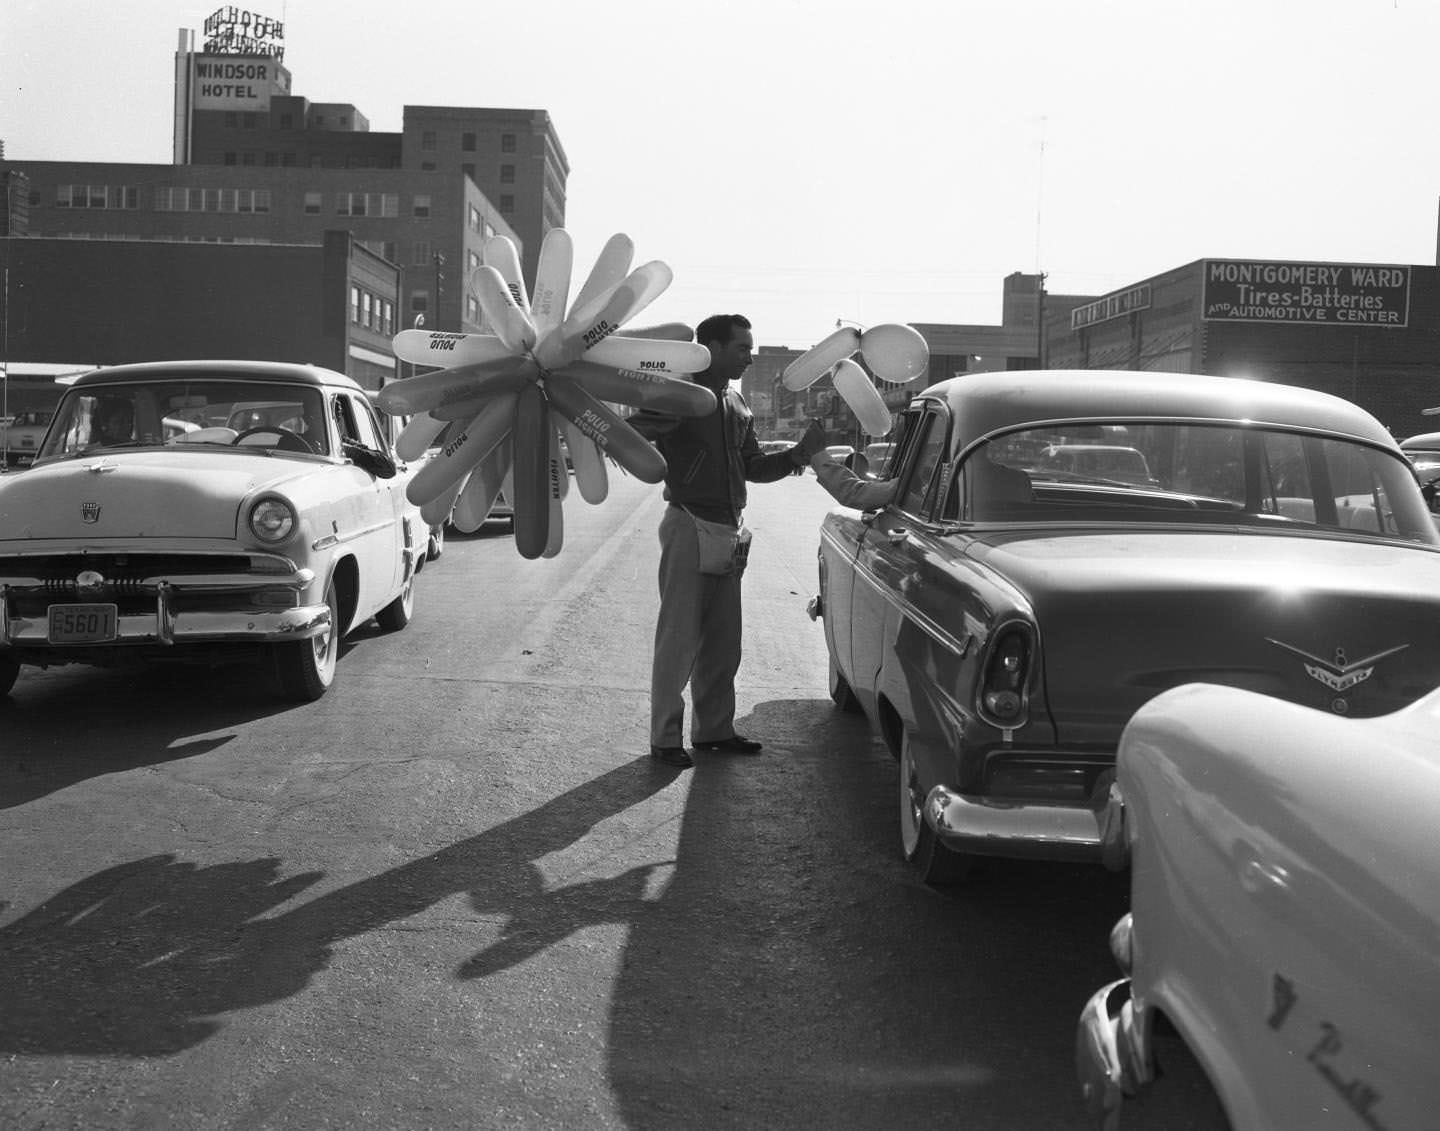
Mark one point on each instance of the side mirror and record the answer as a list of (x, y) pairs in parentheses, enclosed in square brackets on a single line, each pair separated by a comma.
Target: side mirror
[(376, 463), (857, 463)]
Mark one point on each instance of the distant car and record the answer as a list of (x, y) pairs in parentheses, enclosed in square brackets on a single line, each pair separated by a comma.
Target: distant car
[(1103, 462), (20, 438), (141, 534), (1285, 912), (876, 455), (1000, 626)]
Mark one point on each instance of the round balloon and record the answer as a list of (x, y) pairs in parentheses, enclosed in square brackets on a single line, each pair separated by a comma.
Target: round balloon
[(894, 352)]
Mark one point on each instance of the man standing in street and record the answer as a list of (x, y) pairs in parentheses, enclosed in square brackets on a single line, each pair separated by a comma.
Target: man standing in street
[(697, 634)]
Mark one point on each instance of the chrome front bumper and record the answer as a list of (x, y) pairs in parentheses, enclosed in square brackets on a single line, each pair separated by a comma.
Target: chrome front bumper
[(984, 826), (168, 626), (1104, 1058)]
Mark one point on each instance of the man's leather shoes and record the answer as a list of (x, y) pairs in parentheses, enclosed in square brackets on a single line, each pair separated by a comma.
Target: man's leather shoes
[(672, 756), (735, 744)]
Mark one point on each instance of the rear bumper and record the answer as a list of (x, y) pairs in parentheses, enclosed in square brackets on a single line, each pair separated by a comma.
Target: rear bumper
[(984, 826)]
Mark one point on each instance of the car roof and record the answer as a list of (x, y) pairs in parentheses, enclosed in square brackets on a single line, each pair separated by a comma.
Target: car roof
[(1425, 442), (278, 371), (984, 403)]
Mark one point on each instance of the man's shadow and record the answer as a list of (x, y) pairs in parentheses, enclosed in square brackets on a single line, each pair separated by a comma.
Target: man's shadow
[(144, 959), (796, 965)]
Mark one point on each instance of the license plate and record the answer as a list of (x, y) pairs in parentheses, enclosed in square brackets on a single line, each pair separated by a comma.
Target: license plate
[(81, 624)]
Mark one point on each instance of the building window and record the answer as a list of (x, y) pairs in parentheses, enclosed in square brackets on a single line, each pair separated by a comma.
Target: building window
[(367, 316), (271, 158), (287, 121), (472, 308), (387, 249), (507, 143), (420, 256), (507, 174), (354, 304), (427, 166), (427, 139), (344, 121), (387, 316), (507, 202), (473, 218), (467, 142), (312, 203), (421, 206), (419, 301), (287, 160), (247, 158), (472, 260), (247, 120), (230, 157), (487, 229), (232, 120), (367, 204), (468, 169)]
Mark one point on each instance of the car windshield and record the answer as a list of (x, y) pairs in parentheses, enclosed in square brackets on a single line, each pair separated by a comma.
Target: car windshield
[(277, 417), (1190, 473)]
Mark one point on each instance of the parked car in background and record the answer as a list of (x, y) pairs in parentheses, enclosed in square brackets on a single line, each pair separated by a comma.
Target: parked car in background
[(1285, 912), (1096, 461), (144, 532), (20, 438), (1000, 621), (876, 455)]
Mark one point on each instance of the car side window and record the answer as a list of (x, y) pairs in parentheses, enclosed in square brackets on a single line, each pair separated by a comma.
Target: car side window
[(919, 488), (366, 426)]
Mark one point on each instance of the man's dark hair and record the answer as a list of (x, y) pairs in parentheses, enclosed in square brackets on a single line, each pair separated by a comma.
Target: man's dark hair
[(720, 328)]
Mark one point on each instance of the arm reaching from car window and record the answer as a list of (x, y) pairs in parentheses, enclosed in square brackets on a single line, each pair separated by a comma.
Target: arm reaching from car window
[(849, 489)]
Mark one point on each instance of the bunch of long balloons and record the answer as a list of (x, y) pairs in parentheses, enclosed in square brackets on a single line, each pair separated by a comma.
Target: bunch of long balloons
[(502, 402), (895, 352)]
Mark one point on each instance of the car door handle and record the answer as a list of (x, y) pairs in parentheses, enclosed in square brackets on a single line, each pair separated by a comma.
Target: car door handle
[(895, 537)]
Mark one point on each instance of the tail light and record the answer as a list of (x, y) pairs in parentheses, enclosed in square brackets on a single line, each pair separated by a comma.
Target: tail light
[(1003, 701)]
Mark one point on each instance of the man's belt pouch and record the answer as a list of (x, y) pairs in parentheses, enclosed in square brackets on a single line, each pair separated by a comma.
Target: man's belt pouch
[(724, 549)]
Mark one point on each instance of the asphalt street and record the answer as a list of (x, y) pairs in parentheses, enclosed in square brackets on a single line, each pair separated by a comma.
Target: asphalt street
[(456, 892)]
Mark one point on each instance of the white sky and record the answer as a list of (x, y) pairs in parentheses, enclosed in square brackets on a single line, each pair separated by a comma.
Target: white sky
[(801, 161)]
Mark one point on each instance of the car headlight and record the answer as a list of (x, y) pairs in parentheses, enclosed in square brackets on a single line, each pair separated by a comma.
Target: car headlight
[(272, 520)]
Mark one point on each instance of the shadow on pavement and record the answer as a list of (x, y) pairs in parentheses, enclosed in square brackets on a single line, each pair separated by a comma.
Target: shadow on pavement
[(124, 719), (143, 959), (795, 972), (790, 971)]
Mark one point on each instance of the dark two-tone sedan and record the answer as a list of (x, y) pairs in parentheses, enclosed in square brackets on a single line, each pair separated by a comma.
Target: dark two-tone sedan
[(1004, 616)]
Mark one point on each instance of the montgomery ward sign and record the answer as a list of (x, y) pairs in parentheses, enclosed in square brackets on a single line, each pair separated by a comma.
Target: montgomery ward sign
[(1111, 306), (1324, 294)]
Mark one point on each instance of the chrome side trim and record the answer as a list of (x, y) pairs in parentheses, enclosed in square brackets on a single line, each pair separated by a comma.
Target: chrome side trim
[(906, 609)]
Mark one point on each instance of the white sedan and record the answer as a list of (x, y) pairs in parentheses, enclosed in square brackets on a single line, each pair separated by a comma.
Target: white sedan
[(1284, 931), (206, 511)]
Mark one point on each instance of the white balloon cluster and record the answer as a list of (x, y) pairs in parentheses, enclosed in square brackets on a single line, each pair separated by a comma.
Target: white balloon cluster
[(895, 352), (501, 405)]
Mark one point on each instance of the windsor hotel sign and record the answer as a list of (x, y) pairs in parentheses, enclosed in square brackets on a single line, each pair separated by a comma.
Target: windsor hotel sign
[(241, 68), (1323, 294)]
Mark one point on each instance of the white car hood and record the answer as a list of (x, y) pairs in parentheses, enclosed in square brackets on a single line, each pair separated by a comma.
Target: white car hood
[(137, 495)]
